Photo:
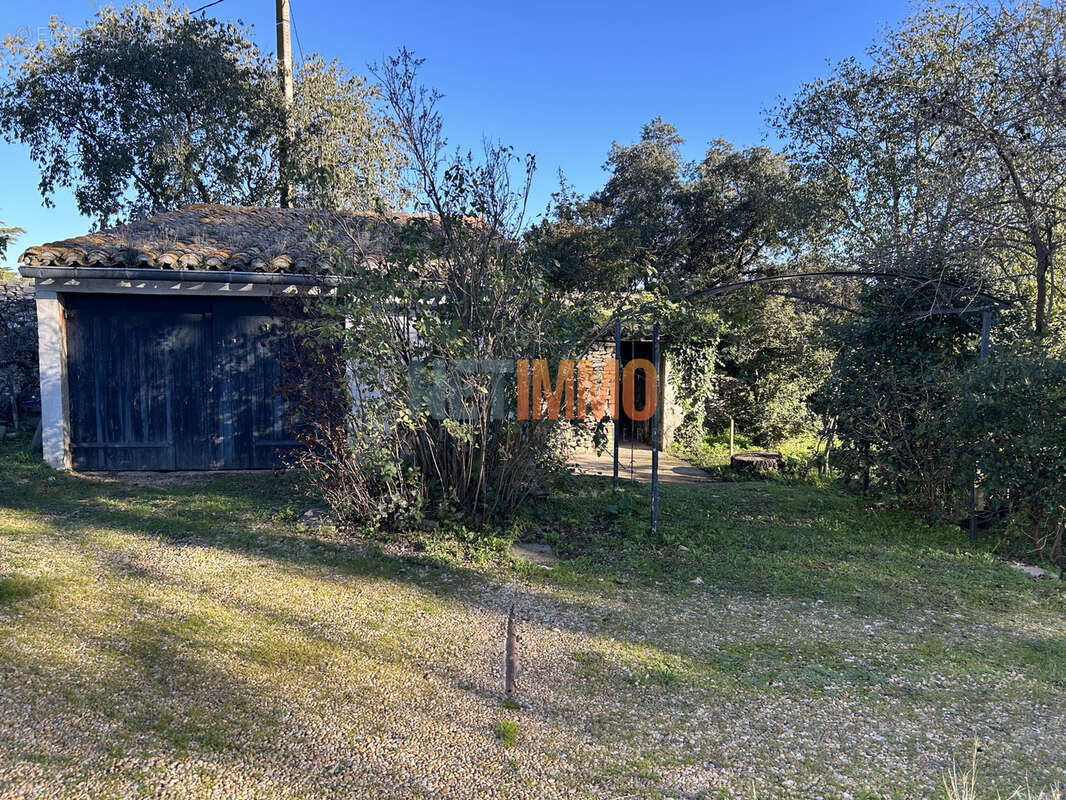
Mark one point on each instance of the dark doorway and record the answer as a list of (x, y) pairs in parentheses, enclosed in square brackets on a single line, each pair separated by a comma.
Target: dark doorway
[(632, 430)]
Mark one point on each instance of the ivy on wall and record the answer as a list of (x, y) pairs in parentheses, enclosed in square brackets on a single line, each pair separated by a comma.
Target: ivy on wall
[(695, 335)]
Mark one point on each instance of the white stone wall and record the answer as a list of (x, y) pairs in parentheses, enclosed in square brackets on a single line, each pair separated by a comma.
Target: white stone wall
[(52, 352)]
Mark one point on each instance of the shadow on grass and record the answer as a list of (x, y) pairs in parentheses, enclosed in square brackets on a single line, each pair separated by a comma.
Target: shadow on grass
[(791, 542), (775, 540)]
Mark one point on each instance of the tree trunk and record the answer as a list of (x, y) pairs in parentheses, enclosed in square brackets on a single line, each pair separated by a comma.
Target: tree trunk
[(1043, 259)]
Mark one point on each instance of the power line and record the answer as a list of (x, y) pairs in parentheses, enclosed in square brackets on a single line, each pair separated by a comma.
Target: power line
[(201, 8), (295, 30)]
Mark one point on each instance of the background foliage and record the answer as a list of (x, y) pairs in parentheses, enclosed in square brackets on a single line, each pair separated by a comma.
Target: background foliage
[(147, 108)]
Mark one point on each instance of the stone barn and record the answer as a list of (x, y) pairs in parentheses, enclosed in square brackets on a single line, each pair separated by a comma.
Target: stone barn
[(161, 344), (159, 341)]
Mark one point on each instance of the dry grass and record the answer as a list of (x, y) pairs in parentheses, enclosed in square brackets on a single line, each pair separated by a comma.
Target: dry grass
[(966, 784)]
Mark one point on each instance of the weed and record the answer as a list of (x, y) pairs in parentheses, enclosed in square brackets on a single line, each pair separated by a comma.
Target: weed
[(507, 733)]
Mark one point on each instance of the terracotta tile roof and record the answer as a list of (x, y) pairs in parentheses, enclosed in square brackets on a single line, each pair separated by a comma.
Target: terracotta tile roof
[(213, 237)]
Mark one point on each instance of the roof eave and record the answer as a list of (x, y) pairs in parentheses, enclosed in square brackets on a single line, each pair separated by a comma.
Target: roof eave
[(180, 275)]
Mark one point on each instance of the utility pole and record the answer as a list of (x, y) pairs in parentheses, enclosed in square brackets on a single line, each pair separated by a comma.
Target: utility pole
[(285, 78)]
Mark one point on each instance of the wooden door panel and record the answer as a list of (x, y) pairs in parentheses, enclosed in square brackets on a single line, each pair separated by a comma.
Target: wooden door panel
[(253, 430), (120, 390), (175, 383)]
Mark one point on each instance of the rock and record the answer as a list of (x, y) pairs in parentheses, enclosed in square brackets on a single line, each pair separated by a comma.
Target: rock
[(1032, 571), (698, 581), (313, 518), (535, 553), (756, 460)]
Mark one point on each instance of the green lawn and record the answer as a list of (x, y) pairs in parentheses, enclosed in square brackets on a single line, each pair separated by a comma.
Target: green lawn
[(191, 638)]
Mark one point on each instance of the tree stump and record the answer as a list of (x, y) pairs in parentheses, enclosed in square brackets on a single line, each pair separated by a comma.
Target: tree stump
[(756, 461)]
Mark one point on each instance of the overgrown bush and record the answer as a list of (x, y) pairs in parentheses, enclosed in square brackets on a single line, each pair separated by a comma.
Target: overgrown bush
[(891, 392), (404, 416), (1010, 422)]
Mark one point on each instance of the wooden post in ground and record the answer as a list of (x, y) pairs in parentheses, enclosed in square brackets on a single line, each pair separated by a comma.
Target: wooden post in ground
[(511, 661)]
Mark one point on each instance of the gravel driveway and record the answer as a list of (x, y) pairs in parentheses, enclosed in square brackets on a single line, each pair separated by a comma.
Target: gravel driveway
[(192, 646)]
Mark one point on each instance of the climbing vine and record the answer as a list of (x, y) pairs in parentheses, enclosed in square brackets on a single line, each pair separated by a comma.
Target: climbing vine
[(695, 335)]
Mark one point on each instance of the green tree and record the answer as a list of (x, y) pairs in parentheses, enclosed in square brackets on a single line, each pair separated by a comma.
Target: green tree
[(7, 237), (947, 150), (993, 79), (346, 152), (946, 153), (661, 222), (148, 108), (776, 354), (1011, 416), (891, 389), (747, 213)]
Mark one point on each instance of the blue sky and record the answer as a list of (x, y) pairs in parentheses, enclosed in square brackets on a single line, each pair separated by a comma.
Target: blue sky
[(561, 80)]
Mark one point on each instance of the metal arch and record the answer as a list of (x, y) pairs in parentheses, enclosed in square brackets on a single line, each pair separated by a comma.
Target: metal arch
[(995, 302)]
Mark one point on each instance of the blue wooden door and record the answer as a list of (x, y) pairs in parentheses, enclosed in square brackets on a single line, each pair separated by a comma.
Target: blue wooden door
[(174, 383), (253, 425)]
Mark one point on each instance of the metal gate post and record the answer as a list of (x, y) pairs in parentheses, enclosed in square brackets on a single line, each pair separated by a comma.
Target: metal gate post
[(655, 431), (617, 398)]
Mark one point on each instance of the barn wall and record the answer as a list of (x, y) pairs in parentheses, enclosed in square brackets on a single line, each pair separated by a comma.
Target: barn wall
[(671, 412), (52, 356), (579, 434)]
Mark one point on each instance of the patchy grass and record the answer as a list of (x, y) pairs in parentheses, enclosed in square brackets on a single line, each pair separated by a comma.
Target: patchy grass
[(712, 454), (16, 587), (507, 733), (192, 634), (798, 541)]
